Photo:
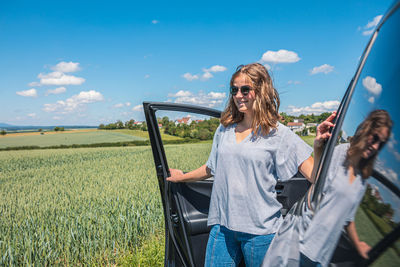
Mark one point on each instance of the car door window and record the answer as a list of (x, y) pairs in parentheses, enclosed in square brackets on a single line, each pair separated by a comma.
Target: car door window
[(187, 138), (376, 93)]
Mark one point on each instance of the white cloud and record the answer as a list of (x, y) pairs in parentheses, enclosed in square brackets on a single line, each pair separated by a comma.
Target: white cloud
[(56, 118), (216, 95), (368, 32), (206, 76), (212, 99), (207, 73), (154, 21), (74, 103), (58, 90), (66, 67), (146, 76), (387, 172), (28, 93), (370, 27), (181, 93), (268, 67), (294, 82), (32, 115), (391, 144), (138, 108), (325, 68), (190, 77), (215, 68), (316, 108), (34, 84), (59, 78), (371, 85), (280, 56), (371, 99), (121, 105)]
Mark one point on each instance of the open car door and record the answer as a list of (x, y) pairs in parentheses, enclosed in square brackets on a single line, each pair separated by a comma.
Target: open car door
[(186, 204), (374, 88)]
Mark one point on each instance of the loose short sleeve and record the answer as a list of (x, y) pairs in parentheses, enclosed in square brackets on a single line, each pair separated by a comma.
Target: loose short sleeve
[(212, 159), (361, 192), (292, 152)]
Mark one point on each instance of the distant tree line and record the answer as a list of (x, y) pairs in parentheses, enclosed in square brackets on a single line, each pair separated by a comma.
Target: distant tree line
[(370, 202), (201, 129), (131, 125), (61, 129), (311, 118)]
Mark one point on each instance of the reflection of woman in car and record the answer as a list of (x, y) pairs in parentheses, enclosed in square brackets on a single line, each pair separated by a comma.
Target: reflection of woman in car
[(344, 188), (250, 151)]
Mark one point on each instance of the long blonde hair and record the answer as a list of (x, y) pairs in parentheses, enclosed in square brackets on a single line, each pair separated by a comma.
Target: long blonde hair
[(378, 118), (266, 104)]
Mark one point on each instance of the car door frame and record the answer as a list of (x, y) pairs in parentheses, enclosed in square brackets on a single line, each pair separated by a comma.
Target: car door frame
[(171, 248)]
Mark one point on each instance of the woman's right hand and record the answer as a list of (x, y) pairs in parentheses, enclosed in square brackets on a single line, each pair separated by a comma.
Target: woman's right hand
[(323, 131), (176, 175)]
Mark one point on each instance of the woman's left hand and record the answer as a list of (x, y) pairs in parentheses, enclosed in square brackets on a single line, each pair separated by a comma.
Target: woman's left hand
[(363, 249)]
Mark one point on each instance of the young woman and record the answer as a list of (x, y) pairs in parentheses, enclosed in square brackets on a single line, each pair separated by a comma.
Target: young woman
[(352, 163), (251, 150)]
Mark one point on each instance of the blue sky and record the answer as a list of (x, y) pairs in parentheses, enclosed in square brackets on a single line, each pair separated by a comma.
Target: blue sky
[(92, 62)]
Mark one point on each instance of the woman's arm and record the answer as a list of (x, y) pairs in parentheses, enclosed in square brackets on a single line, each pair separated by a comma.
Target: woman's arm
[(362, 247), (199, 174), (306, 169)]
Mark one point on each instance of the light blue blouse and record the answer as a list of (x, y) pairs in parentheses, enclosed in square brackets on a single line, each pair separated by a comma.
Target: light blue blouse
[(245, 174), (338, 207)]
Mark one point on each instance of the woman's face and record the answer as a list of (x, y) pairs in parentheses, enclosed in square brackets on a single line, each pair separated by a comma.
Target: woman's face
[(244, 103), (374, 141)]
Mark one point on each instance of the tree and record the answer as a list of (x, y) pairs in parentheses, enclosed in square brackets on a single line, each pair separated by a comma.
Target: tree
[(56, 128), (3, 132), (101, 126), (165, 121), (129, 124), (40, 130), (120, 124)]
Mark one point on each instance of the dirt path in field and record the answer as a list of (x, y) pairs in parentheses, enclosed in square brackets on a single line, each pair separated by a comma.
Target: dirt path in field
[(46, 133)]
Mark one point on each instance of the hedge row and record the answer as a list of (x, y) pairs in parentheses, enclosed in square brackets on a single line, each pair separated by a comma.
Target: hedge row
[(115, 144)]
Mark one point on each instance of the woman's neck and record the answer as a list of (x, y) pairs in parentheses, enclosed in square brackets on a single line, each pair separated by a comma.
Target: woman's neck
[(247, 121)]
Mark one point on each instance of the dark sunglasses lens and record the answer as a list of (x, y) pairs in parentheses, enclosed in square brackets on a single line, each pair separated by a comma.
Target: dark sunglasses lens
[(245, 90), (234, 90)]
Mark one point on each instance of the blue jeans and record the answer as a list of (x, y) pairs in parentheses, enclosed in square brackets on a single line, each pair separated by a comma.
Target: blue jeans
[(306, 262), (226, 247)]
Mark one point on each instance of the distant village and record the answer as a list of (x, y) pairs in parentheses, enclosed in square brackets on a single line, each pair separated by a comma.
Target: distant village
[(302, 125)]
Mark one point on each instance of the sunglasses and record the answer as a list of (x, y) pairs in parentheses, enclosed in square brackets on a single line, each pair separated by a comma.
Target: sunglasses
[(377, 139), (245, 90)]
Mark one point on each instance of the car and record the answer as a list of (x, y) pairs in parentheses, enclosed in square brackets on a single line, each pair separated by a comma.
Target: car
[(375, 85)]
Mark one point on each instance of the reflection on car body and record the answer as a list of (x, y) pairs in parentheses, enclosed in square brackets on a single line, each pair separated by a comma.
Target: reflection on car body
[(375, 86)]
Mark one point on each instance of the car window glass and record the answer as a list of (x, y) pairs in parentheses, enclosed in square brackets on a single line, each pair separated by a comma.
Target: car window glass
[(375, 102), (187, 138)]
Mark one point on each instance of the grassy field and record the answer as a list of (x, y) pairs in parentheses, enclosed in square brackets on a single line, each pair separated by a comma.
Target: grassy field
[(145, 134), (90, 137), (77, 137), (97, 206), (370, 234)]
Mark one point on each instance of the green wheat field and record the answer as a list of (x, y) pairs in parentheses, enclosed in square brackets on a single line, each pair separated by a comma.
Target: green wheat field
[(90, 206)]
